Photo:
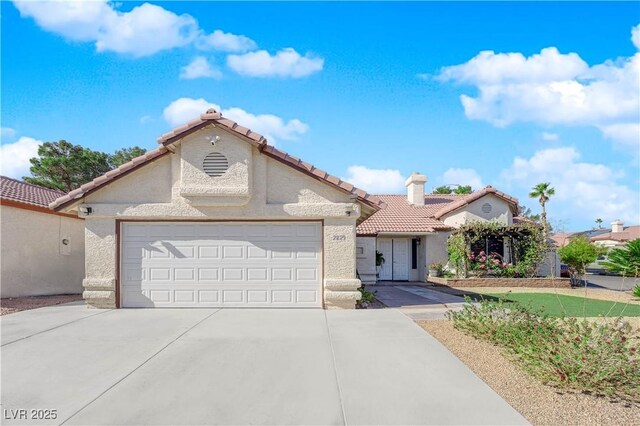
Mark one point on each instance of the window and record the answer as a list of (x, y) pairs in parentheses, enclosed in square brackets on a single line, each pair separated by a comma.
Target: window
[(414, 254), (215, 164)]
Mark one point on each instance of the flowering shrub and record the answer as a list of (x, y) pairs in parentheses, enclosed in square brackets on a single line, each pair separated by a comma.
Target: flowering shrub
[(562, 352), (493, 264)]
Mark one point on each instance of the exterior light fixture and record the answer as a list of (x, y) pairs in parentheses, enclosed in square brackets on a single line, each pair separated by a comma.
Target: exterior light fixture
[(86, 211), (418, 240), (65, 241)]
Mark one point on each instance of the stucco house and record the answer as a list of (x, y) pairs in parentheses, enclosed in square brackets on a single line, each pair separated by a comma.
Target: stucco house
[(42, 251), (215, 216), (618, 236), (411, 232)]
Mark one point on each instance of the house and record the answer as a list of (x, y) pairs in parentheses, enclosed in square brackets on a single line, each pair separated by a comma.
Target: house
[(618, 236), (217, 217), (412, 231), (42, 250)]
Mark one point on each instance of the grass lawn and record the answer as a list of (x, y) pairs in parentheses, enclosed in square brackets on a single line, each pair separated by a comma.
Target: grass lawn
[(557, 305)]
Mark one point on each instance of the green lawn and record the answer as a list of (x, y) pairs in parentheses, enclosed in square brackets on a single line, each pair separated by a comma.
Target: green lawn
[(571, 306)]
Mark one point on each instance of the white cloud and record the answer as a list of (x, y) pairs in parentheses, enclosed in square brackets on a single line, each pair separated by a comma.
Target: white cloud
[(146, 119), (143, 31), (199, 68), (226, 42), (583, 190), (550, 88), (286, 63), (635, 36), (462, 177), (625, 133), (376, 181), (7, 132), (270, 126), (550, 137), (14, 157)]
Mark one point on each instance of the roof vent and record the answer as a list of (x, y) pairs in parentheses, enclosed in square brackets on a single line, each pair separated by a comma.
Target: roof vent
[(215, 164), (486, 208)]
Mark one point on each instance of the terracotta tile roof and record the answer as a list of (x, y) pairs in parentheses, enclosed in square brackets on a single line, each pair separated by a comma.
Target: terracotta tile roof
[(213, 117), (400, 216), (628, 233), (108, 177), (562, 239), (26, 193), (474, 196)]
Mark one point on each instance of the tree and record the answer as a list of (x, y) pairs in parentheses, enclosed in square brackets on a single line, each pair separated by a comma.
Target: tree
[(64, 166), (528, 214), (624, 260), (599, 223), (577, 255), (444, 189), (466, 189), (125, 155), (543, 191)]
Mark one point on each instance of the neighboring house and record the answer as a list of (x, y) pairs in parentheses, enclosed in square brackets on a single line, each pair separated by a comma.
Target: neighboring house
[(217, 217), (42, 250), (619, 235), (412, 231)]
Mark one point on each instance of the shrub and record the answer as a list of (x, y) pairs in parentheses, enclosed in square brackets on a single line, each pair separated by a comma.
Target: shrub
[(636, 290), (366, 298), (562, 352), (624, 260)]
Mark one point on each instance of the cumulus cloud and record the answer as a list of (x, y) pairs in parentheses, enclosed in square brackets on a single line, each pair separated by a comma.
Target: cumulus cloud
[(143, 31), (635, 36), (226, 42), (14, 157), (551, 88), (550, 137), (199, 68), (583, 190), (376, 181), (285, 63), (270, 126), (462, 177)]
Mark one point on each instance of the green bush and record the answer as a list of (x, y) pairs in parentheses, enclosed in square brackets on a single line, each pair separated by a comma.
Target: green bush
[(367, 296), (577, 255), (636, 290), (562, 352), (624, 260)]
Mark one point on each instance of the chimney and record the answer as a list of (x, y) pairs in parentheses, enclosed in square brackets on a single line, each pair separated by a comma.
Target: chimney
[(415, 188), (617, 226)]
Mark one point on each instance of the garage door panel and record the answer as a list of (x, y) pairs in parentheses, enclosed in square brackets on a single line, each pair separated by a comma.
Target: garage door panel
[(221, 264)]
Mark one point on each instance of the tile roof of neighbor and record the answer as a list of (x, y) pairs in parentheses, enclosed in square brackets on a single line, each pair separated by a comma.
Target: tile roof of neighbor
[(628, 233), (561, 239), (27, 193), (402, 217), (214, 117)]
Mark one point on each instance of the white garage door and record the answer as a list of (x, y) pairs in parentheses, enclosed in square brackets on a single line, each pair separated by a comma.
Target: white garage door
[(195, 264)]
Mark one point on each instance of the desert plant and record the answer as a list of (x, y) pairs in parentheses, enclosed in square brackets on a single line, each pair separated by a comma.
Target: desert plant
[(636, 290), (577, 255), (624, 260), (562, 352)]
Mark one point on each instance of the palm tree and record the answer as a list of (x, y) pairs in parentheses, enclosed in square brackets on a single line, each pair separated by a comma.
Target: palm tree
[(599, 223), (543, 191)]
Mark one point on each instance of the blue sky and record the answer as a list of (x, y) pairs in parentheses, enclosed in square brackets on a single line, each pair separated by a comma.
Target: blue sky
[(368, 91)]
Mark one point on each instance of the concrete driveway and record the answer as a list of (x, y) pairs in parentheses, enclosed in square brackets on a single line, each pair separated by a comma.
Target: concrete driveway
[(416, 301), (232, 366)]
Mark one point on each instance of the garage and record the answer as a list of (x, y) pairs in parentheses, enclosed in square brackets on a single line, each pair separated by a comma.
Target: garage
[(221, 264)]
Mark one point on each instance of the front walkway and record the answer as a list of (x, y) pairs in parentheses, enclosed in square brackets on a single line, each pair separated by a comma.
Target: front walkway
[(416, 301), (234, 366)]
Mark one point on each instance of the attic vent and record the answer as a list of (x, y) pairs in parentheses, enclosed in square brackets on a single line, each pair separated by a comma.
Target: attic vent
[(486, 208), (215, 164)]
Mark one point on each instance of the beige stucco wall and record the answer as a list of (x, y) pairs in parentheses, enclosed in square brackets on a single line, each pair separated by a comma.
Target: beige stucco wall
[(500, 212), (260, 188), (436, 249), (33, 259), (366, 259)]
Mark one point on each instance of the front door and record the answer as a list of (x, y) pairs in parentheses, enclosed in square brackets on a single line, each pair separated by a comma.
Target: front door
[(396, 254)]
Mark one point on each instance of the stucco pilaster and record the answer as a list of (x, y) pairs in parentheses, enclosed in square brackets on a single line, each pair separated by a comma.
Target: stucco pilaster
[(100, 262), (340, 282)]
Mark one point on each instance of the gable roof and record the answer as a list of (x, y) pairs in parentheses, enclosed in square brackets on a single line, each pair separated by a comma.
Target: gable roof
[(399, 216), (513, 202), (215, 118), (27, 193)]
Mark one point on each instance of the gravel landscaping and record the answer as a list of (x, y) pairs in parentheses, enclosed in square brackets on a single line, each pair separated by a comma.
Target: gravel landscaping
[(540, 404), (17, 304)]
